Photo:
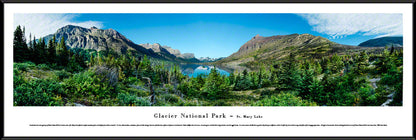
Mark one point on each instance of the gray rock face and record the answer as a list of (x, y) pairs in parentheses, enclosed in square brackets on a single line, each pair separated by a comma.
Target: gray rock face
[(172, 51), (187, 56), (93, 38), (99, 39), (157, 48)]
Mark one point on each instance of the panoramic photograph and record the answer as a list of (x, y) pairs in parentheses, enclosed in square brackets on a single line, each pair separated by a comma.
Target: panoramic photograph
[(207, 59)]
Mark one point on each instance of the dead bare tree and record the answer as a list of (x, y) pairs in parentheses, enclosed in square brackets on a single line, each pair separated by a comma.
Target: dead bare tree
[(152, 97)]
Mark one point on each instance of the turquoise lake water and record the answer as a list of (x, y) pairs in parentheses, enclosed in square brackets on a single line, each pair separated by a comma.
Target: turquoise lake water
[(193, 70)]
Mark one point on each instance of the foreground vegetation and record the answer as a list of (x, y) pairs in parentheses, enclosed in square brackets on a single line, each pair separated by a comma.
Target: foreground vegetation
[(53, 75)]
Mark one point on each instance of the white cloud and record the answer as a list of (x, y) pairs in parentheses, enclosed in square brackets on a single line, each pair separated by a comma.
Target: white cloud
[(43, 24), (339, 25)]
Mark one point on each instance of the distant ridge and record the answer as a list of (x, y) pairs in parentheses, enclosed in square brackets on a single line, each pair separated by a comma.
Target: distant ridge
[(383, 42)]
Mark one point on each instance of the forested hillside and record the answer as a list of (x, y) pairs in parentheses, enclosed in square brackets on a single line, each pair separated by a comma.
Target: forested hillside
[(267, 50), (50, 73)]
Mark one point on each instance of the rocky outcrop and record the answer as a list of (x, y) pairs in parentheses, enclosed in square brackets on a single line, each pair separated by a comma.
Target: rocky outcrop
[(154, 47), (97, 39), (166, 51), (187, 56)]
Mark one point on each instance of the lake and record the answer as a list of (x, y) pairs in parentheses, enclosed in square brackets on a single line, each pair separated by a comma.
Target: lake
[(193, 70)]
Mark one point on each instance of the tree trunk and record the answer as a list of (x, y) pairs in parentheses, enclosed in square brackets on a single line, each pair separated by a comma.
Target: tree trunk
[(152, 97)]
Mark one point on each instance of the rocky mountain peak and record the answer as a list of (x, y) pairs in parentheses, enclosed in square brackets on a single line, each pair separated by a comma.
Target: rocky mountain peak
[(187, 55), (94, 38), (257, 42), (71, 29), (106, 39), (156, 47), (93, 28), (257, 37)]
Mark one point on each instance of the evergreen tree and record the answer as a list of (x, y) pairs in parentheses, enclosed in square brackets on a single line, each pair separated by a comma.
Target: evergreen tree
[(361, 64), (215, 86), (232, 78), (43, 52), (307, 82), (36, 51), (335, 64), (52, 50), (316, 92), (63, 53), (30, 42), (290, 78), (19, 46)]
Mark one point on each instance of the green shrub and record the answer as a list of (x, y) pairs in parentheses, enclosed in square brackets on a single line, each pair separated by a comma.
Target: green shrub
[(189, 103), (220, 103), (132, 100), (189, 88), (132, 81), (85, 84), (109, 102), (43, 67), (137, 92), (171, 98), (18, 79), (38, 92), (284, 99), (266, 93), (62, 74), (216, 86), (243, 84), (368, 97), (23, 66)]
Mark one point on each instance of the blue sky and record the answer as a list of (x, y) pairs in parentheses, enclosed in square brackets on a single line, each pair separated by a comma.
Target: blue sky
[(220, 35)]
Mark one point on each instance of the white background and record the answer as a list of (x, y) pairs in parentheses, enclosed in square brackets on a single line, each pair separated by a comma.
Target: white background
[(398, 119)]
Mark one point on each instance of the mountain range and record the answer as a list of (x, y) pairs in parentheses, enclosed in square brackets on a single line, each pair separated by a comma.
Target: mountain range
[(99, 39), (257, 50), (270, 49), (170, 53)]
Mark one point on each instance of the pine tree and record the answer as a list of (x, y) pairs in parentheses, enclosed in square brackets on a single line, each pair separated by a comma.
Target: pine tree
[(361, 63), (19, 46), (42, 51), (232, 78), (52, 50), (30, 42), (215, 86), (36, 51), (289, 75), (63, 53), (335, 64), (307, 82)]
